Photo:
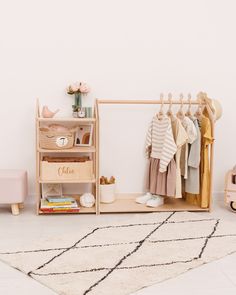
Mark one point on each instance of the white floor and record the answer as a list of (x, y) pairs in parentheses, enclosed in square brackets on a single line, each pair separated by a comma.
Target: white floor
[(218, 277)]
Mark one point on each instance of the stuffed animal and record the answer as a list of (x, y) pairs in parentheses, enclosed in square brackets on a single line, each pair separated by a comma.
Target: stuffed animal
[(87, 200)]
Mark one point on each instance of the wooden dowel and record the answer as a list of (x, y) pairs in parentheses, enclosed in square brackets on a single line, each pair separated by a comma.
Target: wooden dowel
[(97, 159), (108, 101)]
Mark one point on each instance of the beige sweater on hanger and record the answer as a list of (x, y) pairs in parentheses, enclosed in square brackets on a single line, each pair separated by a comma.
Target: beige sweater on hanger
[(161, 141)]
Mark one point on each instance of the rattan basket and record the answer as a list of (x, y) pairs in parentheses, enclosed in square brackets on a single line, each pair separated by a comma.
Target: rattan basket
[(56, 140)]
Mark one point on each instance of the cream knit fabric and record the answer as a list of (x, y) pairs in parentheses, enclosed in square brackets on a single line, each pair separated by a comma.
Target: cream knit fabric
[(161, 141)]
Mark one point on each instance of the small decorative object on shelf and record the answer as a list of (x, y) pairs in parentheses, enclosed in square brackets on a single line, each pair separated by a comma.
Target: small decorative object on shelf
[(88, 112), (81, 113), (46, 113), (87, 200), (84, 135), (51, 189), (107, 189), (78, 89)]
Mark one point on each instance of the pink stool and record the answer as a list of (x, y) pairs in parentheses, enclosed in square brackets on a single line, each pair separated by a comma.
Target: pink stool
[(13, 188)]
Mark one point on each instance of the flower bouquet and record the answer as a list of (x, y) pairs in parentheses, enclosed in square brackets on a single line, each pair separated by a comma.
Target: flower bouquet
[(78, 89)]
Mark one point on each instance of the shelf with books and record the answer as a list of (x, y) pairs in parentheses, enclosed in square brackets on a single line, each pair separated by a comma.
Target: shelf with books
[(84, 176), (63, 205)]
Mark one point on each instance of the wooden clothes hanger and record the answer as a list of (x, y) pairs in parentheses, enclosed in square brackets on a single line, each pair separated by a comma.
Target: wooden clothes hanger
[(160, 114), (189, 113), (180, 113), (198, 113), (169, 113)]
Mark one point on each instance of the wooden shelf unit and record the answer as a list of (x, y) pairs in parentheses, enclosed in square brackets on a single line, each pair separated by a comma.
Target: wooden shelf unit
[(125, 203), (91, 150)]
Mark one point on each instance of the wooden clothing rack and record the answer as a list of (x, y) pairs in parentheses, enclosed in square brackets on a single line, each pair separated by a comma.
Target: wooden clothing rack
[(125, 202)]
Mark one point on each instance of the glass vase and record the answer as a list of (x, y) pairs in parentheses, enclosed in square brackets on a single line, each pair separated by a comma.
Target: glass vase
[(78, 99)]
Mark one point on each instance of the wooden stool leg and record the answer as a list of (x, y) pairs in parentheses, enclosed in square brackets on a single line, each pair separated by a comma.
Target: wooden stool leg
[(15, 209), (21, 205)]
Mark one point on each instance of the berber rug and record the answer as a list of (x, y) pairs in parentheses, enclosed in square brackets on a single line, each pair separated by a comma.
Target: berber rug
[(124, 257)]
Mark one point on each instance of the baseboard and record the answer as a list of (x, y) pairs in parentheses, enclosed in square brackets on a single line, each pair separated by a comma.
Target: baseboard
[(30, 199), (218, 194)]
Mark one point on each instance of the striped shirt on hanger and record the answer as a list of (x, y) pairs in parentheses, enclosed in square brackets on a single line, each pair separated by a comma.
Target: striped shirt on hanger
[(161, 142)]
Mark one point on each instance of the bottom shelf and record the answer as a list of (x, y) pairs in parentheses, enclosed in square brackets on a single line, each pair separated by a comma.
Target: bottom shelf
[(127, 204), (82, 210)]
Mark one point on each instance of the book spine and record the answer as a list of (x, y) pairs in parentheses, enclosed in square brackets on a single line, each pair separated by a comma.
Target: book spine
[(51, 200), (59, 210), (59, 204)]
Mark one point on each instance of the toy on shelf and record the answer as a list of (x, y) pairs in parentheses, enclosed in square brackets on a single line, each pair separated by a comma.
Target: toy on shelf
[(87, 200), (230, 188), (46, 113)]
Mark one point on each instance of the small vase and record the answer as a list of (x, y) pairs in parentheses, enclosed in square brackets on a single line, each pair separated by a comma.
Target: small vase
[(107, 193), (78, 99)]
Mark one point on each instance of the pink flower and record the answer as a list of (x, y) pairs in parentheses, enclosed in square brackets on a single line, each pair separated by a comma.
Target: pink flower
[(84, 88), (75, 87), (79, 87)]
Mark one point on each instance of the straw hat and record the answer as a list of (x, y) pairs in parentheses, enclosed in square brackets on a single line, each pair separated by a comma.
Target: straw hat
[(214, 104), (216, 108)]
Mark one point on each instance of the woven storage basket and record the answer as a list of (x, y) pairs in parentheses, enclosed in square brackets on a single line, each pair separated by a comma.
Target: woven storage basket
[(56, 140), (50, 171)]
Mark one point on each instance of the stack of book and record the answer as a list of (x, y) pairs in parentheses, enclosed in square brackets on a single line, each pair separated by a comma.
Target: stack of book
[(59, 204)]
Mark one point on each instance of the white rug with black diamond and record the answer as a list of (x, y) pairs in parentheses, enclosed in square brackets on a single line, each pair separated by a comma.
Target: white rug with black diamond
[(121, 258)]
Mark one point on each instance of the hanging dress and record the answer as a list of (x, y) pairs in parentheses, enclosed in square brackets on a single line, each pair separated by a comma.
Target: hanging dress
[(161, 147), (203, 198), (192, 135), (192, 183), (180, 137)]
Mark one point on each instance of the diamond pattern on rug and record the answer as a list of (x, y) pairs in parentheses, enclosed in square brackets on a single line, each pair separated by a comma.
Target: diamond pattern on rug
[(125, 257)]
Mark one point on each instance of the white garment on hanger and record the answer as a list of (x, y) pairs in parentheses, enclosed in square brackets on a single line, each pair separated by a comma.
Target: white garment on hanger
[(192, 136)]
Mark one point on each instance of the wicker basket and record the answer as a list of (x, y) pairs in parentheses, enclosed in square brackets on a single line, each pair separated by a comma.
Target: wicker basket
[(56, 140)]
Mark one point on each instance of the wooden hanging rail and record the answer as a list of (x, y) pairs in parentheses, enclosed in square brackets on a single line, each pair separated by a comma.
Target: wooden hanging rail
[(125, 202), (109, 101)]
